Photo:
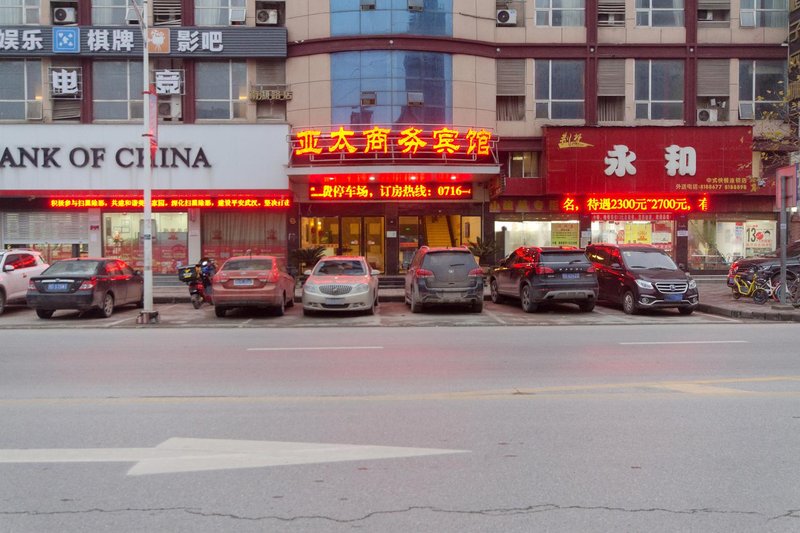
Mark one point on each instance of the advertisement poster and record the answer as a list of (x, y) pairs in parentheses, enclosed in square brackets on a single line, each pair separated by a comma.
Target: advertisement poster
[(759, 237), (564, 233), (638, 233)]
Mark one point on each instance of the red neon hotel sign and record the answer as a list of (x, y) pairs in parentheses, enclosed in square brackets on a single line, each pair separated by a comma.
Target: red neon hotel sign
[(634, 204), (415, 191), (247, 202), (410, 141)]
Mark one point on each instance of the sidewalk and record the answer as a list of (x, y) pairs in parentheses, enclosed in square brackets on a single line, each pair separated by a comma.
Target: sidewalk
[(715, 299)]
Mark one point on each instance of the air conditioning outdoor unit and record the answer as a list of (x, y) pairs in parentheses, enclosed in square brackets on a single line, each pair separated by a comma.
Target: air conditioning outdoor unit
[(64, 15), (131, 16), (266, 17), (170, 109), (507, 17), (707, 114)]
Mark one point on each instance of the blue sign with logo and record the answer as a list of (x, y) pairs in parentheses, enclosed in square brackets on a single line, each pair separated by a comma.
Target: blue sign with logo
[(67, 40)]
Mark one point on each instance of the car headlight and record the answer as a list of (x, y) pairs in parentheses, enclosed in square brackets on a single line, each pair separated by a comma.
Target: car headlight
[(360, 287), (644, 284), (311, 287), (692, 284)]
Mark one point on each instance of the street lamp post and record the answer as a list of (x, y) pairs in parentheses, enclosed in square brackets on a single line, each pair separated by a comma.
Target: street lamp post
[(148, 314)]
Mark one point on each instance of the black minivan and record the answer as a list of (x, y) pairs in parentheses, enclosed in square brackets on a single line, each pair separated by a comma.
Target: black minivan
[(641, 276)]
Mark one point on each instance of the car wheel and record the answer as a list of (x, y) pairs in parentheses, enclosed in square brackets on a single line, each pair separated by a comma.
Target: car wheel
[(197, 301), (220, 311), (107, 308), (44, 313), (686, 310), (307, 312), (2, 302), (280, 309), (629, 303), (416, 305), (477, 306), (526, 299), (587, 306), (496, 298)]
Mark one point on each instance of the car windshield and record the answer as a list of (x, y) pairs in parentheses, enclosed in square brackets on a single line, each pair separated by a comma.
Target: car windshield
[(72, 268), (339, 268), (638, 259), (248, 264)]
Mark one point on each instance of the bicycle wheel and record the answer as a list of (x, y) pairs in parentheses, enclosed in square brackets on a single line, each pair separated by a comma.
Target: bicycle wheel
[(761, 296)]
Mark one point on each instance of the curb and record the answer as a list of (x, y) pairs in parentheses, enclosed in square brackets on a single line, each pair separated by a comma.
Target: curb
[(781, 316)]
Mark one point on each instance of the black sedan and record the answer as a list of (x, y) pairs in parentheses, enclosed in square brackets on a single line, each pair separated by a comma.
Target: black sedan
[(85, 284)]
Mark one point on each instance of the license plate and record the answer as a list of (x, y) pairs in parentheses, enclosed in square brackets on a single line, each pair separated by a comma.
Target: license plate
[(571, 276), (334, 301), (673, 297), (58, 287), (243, 282)]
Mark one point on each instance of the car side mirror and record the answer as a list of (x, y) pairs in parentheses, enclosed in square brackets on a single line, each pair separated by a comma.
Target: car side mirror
[(8, 268), (307, 273), (374, 272), (616, 266)]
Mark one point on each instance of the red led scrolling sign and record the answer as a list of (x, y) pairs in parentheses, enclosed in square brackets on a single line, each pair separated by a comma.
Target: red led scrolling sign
[(376, 142), (247, 202), (634, 204), (415, 191)]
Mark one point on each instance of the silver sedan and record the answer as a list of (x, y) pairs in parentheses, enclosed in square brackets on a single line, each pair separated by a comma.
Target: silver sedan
[(341, 283)]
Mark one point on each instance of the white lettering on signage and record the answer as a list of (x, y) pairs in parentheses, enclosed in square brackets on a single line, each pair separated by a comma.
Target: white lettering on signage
[(191, 40), (168, 81), (620, 161), (681, 160), (65, 81)]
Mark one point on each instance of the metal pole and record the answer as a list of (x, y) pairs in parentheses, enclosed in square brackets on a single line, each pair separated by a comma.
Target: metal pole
[(147, 315), (784, 240)]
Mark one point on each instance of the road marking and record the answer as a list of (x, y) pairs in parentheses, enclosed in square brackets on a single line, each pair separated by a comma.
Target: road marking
[(201, 455), (686, 342), (276, 349)]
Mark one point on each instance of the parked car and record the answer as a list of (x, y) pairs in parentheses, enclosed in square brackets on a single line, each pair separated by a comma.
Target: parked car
[(537, 275), (443, 276), (771, 261), (341, 283), (641, 276), (85, 284), (253, 281), (16, 268)]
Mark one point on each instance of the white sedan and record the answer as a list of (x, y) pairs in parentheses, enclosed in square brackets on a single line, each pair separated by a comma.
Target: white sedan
[(341, 283)]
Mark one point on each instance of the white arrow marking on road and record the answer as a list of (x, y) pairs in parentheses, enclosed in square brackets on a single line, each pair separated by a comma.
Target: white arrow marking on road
[(197, 455)]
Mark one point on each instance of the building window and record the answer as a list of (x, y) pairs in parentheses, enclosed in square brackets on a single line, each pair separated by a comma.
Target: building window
[(13, 12), (523, 164), (559, 88), (21, 89), (117, 89), (221, 89), (368, 17), (109, 12), (659, 89), (762, 88), (763, 13), (659, 13), (408, 87), (219, 12), (510, 89), (560, 12)]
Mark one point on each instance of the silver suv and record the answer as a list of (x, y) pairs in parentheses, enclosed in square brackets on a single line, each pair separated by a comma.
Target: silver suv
[(17, 266)]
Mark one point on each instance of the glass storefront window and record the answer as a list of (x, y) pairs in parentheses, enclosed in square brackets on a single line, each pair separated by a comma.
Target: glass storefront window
[(346, 236), (226, 234), (513, 234), (122, 234), (715, 244), (656, 232)]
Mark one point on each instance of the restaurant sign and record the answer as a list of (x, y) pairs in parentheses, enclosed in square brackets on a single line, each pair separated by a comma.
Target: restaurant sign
[(412, 191), (650, 159)]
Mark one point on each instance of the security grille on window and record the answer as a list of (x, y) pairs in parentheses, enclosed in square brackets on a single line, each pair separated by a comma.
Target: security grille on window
[(763, 13), (167, 13), (20, 89), (65, 82), (658, 87), (659, 13), (611, 90), (19, 12), (510, 89), (560, 13), (559, 88), (271, 78), (611, 13), (713, 80)]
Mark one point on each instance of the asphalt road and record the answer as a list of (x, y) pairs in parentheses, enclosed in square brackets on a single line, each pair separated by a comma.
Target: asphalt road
[(635, 427)]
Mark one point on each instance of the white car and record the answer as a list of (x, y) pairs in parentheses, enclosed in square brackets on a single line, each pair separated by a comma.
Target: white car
[(341, 283), (17, 266)]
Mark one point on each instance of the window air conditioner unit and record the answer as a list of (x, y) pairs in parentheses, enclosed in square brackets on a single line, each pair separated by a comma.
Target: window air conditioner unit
[(170, 109), (266, 17), (415, 98), (506, 17), (237, 15), (707, 114), (64, 15), (132, 16)]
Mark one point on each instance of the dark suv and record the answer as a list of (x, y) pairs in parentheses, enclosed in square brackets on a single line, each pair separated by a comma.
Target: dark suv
[(444, 276), (640, 276), (747, 266), (537, 275)]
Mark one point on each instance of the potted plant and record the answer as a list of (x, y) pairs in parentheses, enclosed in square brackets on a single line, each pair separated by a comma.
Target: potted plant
[(484, 251), (306, 258)]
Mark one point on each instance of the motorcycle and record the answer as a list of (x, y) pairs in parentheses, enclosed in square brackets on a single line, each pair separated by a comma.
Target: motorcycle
[(198, 277)]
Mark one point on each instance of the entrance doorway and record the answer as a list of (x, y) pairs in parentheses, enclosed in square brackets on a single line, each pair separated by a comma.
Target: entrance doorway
[(435, 230), (347, 236)]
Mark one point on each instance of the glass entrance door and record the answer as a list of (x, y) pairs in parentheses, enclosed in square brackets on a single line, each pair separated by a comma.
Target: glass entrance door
[(350, 236)]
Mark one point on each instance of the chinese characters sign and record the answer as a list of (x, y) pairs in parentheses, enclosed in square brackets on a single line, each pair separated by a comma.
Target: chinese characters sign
[(385, 144), (634, 204), (649, 159), (122, 41), (250, 202), (412, 191)]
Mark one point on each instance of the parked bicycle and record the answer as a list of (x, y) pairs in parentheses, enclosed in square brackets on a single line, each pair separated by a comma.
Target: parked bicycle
[(768, 285)]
